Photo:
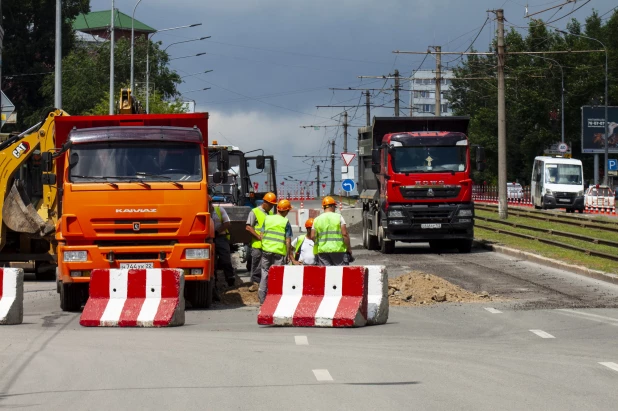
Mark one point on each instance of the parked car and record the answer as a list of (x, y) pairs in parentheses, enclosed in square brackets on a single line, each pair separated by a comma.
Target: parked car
[(514, 191), (600, 196)]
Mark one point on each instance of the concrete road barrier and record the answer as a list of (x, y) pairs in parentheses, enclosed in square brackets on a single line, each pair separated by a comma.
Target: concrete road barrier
[(377, 294), (310, 296), (11, 296), (135, 298)]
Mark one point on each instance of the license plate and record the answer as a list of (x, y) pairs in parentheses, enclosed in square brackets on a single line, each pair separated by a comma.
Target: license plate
[(135, 266), (564, 200), (431, 225)]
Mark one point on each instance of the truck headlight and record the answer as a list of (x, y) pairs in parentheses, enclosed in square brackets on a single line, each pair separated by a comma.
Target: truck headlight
[(75, 256), (397, 222), (395, 214), (580, 193), (464, 213), (197, 253), (548, 192)]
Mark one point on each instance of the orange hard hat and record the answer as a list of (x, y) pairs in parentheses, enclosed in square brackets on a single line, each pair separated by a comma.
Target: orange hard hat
[(328, 201), (270, 198), (284, 205), (309, 223)]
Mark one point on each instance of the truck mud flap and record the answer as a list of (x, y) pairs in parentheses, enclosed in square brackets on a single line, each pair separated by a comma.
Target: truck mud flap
[(19, 214)]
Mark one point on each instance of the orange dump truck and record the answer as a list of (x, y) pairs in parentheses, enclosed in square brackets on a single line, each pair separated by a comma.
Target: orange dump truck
[(133, 194)]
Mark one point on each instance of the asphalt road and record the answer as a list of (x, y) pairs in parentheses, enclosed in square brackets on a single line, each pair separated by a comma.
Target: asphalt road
[(453, 356)]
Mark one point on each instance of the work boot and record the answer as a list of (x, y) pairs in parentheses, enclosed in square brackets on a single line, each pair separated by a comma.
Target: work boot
[(231, 282)]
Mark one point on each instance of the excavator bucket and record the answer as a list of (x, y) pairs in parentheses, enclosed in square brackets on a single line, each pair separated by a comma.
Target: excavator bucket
[(19, 214)]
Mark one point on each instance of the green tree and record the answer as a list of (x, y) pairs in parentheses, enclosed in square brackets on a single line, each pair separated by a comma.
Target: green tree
[(157, 105), (29, 50), (86, 76), (533, 92)]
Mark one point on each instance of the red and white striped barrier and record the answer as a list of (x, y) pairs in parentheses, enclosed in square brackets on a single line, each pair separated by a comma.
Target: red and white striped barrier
[(11, 296), (135, 298), (312, 296), (377, 295)]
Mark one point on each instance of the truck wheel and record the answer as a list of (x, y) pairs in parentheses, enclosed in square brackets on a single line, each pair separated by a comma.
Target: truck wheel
[(464, 246), (70, 297), (386, 246), (199, 293)]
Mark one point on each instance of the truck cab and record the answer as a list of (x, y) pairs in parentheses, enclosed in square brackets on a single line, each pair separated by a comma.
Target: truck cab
[(134, 196)]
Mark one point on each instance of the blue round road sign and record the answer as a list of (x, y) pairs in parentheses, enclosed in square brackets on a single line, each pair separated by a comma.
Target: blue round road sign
[(348, 185)]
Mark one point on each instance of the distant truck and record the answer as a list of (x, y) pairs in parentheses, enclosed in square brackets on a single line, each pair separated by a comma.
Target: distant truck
[(132, 194), (241, 186), (415, 182), (558, 183)]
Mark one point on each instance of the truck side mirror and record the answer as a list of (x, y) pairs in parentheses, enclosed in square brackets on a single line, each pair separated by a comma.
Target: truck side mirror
[(220, 177), (260, 162), (480, 159), (223, 161), (375, 161), (73, 159), (47, 162), (49, 179)]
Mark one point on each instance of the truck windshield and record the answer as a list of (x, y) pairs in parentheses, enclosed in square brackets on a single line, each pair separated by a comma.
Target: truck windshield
[(234, 176), (563, 174), (137, 160), (429, 159)]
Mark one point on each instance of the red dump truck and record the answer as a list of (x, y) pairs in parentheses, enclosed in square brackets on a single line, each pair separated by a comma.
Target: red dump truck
[(414, 179)]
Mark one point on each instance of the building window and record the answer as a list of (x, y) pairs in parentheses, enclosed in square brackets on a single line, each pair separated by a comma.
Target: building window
[(427, 108)]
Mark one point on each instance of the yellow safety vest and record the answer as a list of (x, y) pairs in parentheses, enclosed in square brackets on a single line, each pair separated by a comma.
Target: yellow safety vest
[(227, 232), (273, 240), (260, 216), (328, 237)]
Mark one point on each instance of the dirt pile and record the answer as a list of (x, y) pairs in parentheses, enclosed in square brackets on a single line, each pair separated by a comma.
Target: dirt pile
[(418, 288), (243, 294)]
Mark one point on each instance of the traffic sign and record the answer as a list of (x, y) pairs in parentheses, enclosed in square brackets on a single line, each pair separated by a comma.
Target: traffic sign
[(563, 147), (348, 185), (7, 108), (347, 172), (347, 158), (612, 164)]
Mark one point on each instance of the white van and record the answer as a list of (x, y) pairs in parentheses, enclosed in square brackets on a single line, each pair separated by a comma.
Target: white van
[(558, 183)]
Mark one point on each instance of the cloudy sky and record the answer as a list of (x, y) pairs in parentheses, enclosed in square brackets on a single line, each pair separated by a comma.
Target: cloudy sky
[(274, 60)]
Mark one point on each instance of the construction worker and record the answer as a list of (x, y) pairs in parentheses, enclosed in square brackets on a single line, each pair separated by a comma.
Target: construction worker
[(303, 247), (254, 225), (330, 235), (222, 241), (276, 234)]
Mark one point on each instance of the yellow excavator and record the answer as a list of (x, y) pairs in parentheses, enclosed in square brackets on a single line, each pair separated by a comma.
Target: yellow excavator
[(29, 198)]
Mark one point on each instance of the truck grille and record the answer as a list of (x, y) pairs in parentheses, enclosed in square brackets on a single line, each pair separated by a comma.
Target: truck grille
[(413, 192), (135, 227), (428, 216), (136, 256)]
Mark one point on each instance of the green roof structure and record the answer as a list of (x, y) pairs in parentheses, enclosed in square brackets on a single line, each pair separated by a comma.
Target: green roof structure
[(98, 20)]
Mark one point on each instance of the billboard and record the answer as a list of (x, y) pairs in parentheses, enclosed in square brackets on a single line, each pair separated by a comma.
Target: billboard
[(593, 129)]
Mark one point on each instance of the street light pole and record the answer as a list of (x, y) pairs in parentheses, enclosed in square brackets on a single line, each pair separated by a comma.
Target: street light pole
[(133, 45), (58, 62), (605, 177), (148, 59)]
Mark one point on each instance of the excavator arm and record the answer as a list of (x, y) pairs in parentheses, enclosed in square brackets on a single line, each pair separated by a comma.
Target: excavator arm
[(20, 162)]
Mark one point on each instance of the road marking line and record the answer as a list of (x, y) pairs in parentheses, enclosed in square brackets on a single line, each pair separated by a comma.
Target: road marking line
[(322, 375), (610, 365), (493, 310), (542, 334), (301, 340), (593, 317)]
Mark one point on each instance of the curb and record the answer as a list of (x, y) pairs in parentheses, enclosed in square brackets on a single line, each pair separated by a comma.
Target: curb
[(549, 262)]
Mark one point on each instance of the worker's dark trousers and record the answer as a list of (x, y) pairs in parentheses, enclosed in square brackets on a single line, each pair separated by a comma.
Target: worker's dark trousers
[(224, 256)]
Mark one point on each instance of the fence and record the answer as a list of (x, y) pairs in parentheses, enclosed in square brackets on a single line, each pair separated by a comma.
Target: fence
[(489, 194)]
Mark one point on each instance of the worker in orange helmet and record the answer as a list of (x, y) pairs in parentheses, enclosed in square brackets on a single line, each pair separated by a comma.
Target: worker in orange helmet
[(303, 247), (254, 226), (330, 235), (276, 236)]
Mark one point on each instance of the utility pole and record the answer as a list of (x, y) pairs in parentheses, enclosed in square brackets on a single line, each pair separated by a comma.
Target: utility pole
[(438, 108), (318, 178), (345, 131), (368, 108), (58, 62), (332, 168), (502, 194), (111, 62), (396, 93)]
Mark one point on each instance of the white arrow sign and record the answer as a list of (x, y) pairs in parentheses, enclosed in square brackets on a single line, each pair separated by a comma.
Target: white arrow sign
[(347, 158)]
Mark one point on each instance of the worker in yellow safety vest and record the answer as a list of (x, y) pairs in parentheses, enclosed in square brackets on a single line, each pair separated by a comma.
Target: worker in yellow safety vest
[(303, 247), (276, 235), (254, 225), (330, 236), (222, 225)]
